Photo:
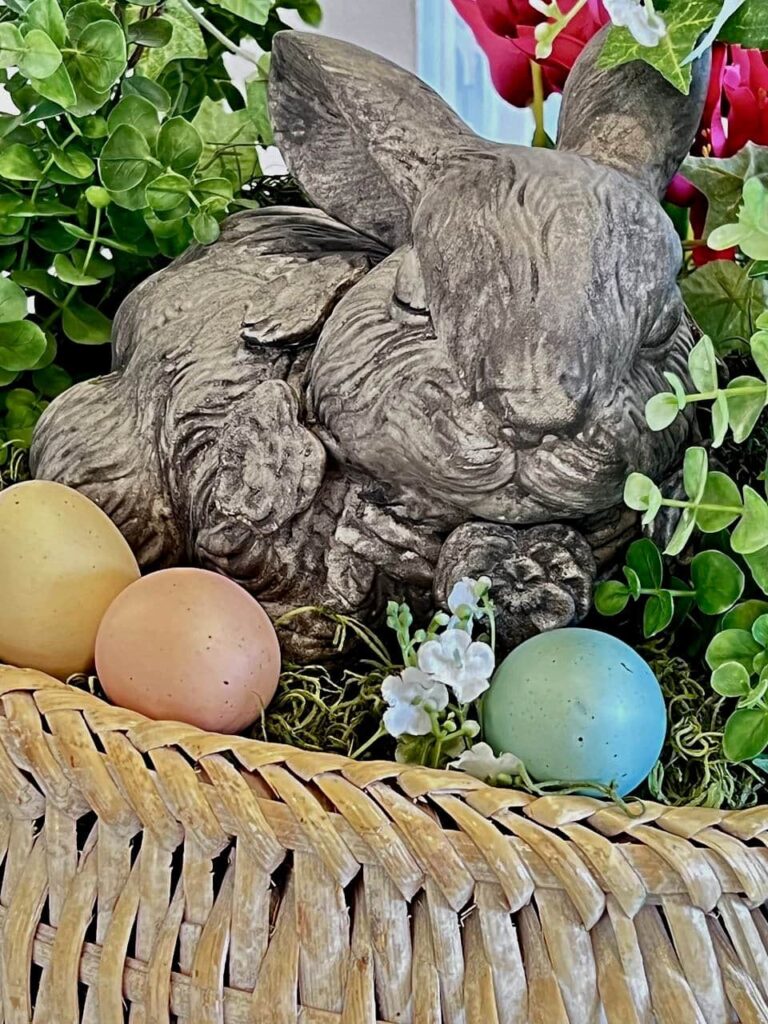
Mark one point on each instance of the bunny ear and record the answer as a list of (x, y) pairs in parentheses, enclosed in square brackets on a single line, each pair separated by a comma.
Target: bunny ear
[(631, 118), (361, 135)]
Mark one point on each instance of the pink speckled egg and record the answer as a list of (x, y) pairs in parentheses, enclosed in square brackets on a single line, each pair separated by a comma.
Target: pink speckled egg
[(190, 646)]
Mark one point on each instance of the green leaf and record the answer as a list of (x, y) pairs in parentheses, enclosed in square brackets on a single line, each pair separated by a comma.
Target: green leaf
[(731, 680), (732, 645), (124, 159), (57, 87), (51, 381), (678, 388), (19, 163), (150, 32), (722, 182), (633, 582), (39, 281), (758, 269), (744, 615), (89, 12), (642, 494), (759, 350), (139, 85), (186, 43), (746, 734), (661, 411), (683, 533), (168, 191), (760, 630), (97, 197), (748, 26), (255, 11), (695, 472), (137, 112), (46, 16), (724, 301), (205, 227), (758, 566), (13, 302), (11, 45), (645, 559), (100, 54), (702, 362), (179, 145), (717, 580), (229, 142), (21, 345), (659, 612), (751, 534), (53, 237), (611, 598), (74, 161), (68, 272), (720, 420), (720, 491), (85, 324), (744, 409), (41, 56), (51, 348), (686, 21)]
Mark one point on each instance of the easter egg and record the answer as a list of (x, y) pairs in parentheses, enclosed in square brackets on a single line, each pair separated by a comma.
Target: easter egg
[(62, 563), (577, 705), (190, 646)]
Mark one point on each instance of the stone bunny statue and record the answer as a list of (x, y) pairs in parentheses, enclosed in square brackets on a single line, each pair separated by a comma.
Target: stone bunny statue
[(441, 374)]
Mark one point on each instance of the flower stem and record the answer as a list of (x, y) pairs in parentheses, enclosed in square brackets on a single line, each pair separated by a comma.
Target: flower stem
[(540, 139), (227, 43), (369, 743)]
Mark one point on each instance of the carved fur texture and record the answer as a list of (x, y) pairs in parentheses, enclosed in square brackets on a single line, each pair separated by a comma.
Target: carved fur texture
[(443, 373)]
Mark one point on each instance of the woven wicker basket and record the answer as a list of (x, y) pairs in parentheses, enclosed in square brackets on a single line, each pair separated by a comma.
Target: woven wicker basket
[(154, 872)]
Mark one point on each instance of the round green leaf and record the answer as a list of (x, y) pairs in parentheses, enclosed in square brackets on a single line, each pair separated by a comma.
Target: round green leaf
[(731, 680), (11, 45), (720, 420), (85, 324), (57, 87), (179, 145), (645, 559), (21, 345), (633, 581), (759, 350), (74, 161), (124, 159), (702, 362), (659, 612), (717, 580), (50, 352), (19, 163), (746, 734), (751, 534), (661, 411), (41, 56), (138, 112), (150, 32), (683, 533), (168, 191), (611, 598), (100, 55), (744, 615), (744, 409), (46, 15), (720, 492), (641, 493), (52, 381), (70, 274), (760, 630), (13, 302), (140, 85), (81, 15), (205, 227), (732, 645), (678, 388)]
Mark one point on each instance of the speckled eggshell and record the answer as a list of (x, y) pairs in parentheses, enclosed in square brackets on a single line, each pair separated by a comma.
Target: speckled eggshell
[(577, 705), (62, 563), (190, 646)]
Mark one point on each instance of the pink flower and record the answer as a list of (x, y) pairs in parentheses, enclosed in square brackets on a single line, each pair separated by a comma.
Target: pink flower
[(505, 31)]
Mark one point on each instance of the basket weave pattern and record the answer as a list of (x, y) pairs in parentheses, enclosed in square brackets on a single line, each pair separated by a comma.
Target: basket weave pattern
[(153, 873)]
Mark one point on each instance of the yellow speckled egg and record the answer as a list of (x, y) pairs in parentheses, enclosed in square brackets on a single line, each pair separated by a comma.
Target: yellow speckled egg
[(190, 646), (62, 564)]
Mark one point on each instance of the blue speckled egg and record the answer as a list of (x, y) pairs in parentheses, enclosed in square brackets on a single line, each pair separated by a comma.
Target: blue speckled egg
[(577, 705)]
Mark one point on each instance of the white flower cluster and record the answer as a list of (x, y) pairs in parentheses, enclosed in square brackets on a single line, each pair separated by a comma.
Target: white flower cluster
[(641, 19), (452, 666)]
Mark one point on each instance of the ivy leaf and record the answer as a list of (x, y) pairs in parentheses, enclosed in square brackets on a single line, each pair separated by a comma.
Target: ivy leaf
[(717, 580), (255, 11), (724, 301), (746, 734), (611, 598), (13, 302), (722, 181), (186, 42), (179, 145), (124, 159), (21, 345), (150, 32), (659, 612), (686, 21), (229, 142), (748, 26), (731, 680), (645, 559), (85, 324)]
